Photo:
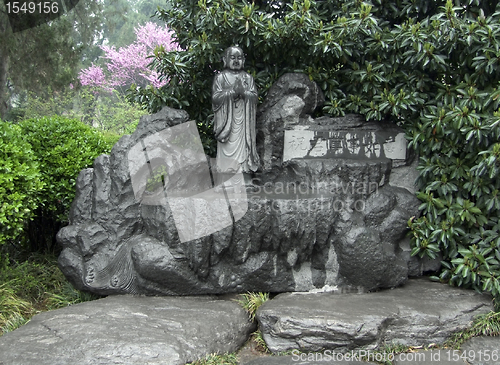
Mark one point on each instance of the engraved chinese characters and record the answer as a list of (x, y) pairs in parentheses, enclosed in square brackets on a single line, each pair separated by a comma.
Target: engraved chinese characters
[(234, 101)]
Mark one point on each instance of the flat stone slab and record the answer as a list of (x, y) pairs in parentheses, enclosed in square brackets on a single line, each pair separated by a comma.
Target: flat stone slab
[(129, 330), (421, 312)]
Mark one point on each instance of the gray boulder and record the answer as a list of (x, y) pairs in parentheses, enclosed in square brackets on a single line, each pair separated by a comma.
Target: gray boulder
[(129, 330), (420, 312)]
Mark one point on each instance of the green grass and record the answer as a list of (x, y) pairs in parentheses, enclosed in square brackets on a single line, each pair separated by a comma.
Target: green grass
[(214, 359), (33, 286), (483, 325), (252, 301), (260, 343)]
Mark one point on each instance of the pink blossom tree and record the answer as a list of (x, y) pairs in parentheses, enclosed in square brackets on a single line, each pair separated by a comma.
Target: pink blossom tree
[(128, 65)]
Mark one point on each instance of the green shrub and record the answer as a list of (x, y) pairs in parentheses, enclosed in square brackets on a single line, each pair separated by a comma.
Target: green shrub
[(111, 138), (460, 195), (61, 148), (20, 182), (115, 114)]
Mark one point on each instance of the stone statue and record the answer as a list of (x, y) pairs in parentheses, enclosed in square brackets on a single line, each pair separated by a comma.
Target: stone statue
[(234, 101)]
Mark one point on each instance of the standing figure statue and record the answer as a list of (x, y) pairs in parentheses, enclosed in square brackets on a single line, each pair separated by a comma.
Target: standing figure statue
[(234, 101)]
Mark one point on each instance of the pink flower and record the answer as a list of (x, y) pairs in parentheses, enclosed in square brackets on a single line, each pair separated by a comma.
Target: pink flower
[(129, 64)]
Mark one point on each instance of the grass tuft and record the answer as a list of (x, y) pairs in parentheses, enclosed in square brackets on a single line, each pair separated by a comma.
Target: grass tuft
[(252, 301), (483, 325), (215, 359), (260, 344), (14, 322)]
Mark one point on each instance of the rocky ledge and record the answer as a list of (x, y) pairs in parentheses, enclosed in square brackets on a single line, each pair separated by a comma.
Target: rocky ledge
[(178, 330)]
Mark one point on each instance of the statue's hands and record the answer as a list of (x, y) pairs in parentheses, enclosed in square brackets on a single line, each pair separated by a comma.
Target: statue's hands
[(239, 89)]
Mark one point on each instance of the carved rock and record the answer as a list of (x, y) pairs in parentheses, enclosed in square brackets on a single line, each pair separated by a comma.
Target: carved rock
[(310, 221)]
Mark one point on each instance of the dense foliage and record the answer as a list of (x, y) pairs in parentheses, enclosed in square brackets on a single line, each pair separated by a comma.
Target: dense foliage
[(48, 54), (19, 182), (39, 162), (430, 66), (111, 113), (62, 147)]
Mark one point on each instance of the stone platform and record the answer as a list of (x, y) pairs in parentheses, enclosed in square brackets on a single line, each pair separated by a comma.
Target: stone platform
[(179, 330), (129, 330)]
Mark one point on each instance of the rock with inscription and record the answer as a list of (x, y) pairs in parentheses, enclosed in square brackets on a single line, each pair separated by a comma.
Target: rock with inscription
[(371, 141), (290, 101), (151, 217)]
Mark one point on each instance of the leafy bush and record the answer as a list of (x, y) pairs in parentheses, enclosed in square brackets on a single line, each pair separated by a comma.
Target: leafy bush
[(113, 113), (20, 182), (61, 148), (430, 66)]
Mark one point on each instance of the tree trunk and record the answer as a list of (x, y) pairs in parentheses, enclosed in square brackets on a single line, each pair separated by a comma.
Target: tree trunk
[(4, 71), (5, 34)]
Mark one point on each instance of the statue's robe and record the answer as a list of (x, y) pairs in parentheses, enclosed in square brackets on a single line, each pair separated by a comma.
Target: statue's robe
[(234, 122)]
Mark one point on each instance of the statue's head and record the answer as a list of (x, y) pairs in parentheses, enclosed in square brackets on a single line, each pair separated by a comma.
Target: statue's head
[(233, 58)]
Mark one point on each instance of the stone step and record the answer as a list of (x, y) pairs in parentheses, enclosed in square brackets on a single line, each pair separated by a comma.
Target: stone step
[(421, 312), (129, 330), (178, 330)]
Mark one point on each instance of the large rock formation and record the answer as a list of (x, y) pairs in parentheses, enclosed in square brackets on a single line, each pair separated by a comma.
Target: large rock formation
[(321, 210)]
